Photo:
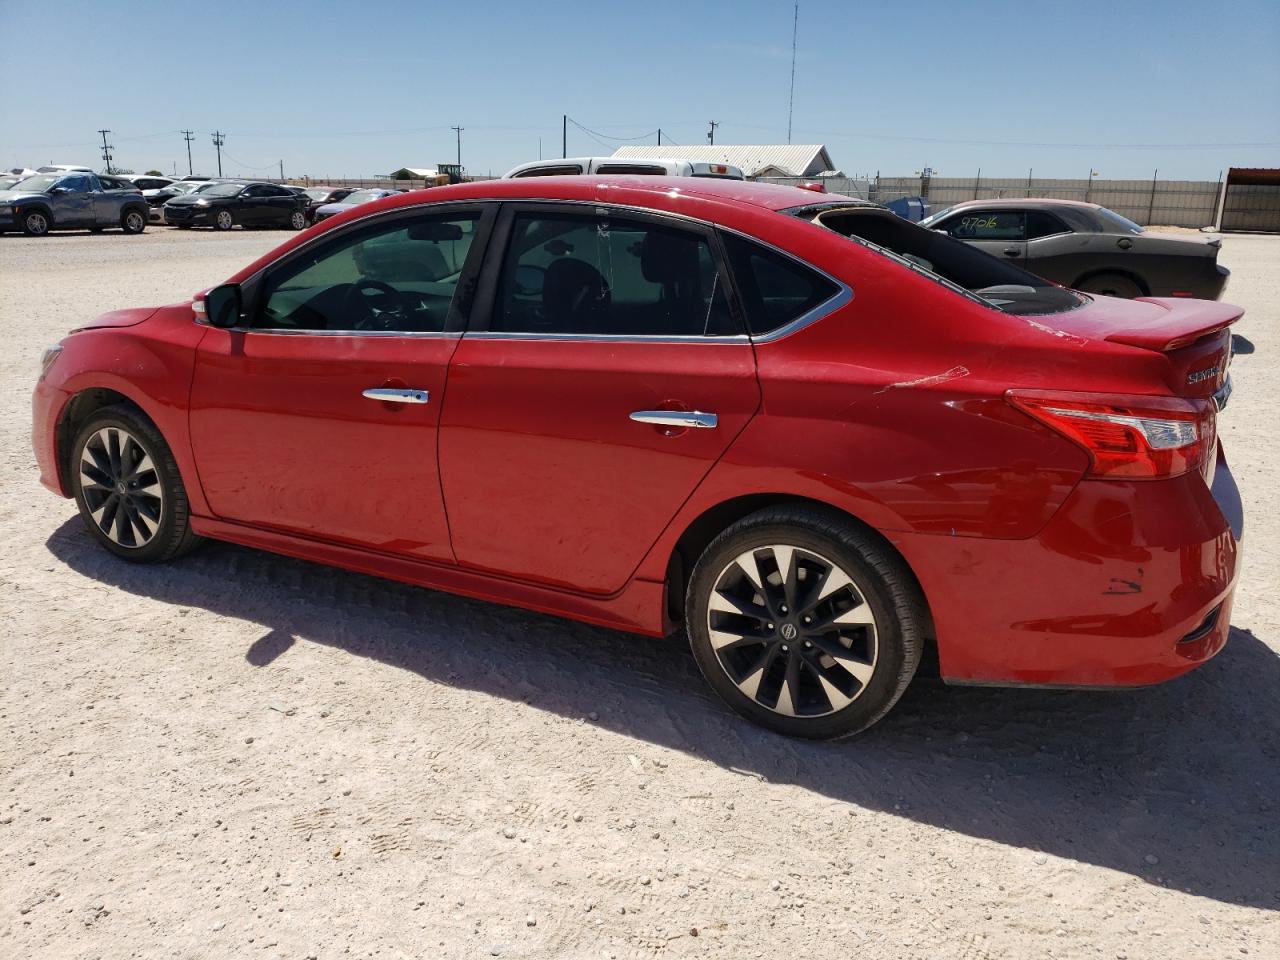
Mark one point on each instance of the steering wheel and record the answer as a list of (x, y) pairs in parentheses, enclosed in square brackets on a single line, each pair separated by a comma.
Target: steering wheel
[(380, 305)]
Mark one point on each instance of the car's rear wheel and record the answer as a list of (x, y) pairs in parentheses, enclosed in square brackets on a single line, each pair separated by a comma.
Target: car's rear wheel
[(1110, 285), (133, 221), (36, 223), (804, 622), (223, 220), (297, 220), (128, 489)]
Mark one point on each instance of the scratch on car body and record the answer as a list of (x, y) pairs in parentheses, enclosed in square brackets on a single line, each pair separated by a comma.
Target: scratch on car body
[(954, 373), (1062, 334)]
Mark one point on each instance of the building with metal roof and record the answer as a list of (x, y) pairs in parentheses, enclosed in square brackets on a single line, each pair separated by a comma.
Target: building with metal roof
[(778, 160)]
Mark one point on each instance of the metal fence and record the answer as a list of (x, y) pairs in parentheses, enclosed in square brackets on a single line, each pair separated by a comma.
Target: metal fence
[(1174, 203)]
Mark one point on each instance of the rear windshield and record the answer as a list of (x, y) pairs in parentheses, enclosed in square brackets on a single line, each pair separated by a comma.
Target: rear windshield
[(964, 269), (1118, 223)]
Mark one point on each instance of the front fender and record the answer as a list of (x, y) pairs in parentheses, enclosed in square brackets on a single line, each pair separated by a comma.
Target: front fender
[(151, 365)]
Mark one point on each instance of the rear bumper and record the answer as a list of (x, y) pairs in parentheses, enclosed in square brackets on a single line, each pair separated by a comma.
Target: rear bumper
[(1129, 584)]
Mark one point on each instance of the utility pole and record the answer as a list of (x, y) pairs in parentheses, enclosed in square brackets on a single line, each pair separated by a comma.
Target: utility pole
[(564, 137), (458, 131), (219, 138), (711, 134), (282, 171), (791, 102), (188, 136), (106, 149), (659, 136)]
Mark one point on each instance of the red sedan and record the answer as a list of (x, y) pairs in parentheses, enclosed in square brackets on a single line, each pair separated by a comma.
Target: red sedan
[(815, 436)]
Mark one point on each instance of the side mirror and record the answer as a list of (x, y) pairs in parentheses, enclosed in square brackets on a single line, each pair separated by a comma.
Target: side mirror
[(58, 191), (223, 306)]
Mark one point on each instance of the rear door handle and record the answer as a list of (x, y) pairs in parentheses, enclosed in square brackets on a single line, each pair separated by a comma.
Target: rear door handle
[(677, 418), (390, 395), (1012, 252)]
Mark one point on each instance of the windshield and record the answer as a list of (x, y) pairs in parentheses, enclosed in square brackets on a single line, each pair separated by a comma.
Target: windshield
[(221, 189), (318, 193), (956, 265), (7, 182), (363, 196), (181, 187), (1116, 222), (39, 184)]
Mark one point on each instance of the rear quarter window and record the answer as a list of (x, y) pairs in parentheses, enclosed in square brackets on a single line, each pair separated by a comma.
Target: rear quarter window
[(776, 290)]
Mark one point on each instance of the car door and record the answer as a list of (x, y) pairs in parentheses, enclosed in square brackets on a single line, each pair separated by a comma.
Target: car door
[(1001, 232), (72, 200), (318, 414), (1054, 251), (253, 207), (108, 200), (278, 205), (603, 374)]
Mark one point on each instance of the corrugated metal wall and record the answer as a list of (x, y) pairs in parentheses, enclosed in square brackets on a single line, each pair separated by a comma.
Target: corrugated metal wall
[(1174, 203)]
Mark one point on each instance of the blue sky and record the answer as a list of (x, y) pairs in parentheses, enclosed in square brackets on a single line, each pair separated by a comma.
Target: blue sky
[(352, 90)]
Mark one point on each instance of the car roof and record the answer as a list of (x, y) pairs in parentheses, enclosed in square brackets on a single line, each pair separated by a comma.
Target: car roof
[(622, 188), (1026, 202)]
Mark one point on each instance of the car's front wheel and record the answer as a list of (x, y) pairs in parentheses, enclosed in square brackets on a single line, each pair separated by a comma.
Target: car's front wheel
[(298, 220), (805, 623), (223, 220), (128, 489), (133, 221), (36, 223)]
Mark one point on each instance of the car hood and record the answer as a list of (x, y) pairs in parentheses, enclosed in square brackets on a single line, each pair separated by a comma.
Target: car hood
[(9, 196), (128, 317), (190, 199)]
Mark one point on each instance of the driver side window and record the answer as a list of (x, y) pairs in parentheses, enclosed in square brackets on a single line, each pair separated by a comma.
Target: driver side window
[(399, 276)]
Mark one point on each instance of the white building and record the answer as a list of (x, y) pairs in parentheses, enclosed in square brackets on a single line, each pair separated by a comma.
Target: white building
[(764, 160)]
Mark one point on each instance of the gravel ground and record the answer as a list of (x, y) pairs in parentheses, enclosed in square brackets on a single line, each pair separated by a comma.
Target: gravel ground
[(241, 755)]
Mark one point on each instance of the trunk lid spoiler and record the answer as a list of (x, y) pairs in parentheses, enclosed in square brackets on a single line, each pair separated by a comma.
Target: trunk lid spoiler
[(1176, 324)]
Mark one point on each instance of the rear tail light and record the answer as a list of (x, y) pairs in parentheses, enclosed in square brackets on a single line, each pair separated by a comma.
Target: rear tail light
[(1134, 438)]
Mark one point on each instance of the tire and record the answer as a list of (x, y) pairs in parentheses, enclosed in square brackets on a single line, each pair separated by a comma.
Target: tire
[(776, 666), (223, 220), (298, 220), (133, 221), (36, 223), (1110, 285), (128, 488)]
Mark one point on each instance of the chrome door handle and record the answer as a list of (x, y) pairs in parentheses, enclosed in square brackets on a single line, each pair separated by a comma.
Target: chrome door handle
[(677, 418), (390, 395)]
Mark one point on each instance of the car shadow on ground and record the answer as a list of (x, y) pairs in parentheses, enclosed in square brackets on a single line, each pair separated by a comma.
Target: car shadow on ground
[(1176, 784)]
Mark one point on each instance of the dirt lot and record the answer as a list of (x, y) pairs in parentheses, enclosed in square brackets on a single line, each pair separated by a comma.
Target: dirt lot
[(241, 755)]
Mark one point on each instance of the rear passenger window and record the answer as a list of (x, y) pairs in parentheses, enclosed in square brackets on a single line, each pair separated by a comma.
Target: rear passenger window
[(776, 290), (1041, 224), (564, 169), (599, 275)]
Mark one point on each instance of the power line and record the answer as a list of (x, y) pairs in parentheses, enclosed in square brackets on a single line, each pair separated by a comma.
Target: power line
[(596, 133)]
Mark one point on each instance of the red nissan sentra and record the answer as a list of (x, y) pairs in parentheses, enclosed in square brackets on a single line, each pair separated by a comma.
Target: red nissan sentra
[(816, 436)]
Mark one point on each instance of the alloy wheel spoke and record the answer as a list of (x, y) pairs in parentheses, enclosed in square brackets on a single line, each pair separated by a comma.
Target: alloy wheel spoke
[(859, 669), (726, 604)]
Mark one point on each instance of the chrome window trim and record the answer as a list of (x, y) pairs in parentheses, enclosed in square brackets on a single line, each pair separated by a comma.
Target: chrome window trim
[(278, 332), (737, 338)]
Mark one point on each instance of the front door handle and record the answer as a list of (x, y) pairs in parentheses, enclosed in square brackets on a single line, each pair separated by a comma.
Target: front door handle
[(677, 418), (1012, 252), (390, 395)]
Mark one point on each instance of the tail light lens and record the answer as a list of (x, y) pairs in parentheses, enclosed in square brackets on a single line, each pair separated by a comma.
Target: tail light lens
[(1133, 438)]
